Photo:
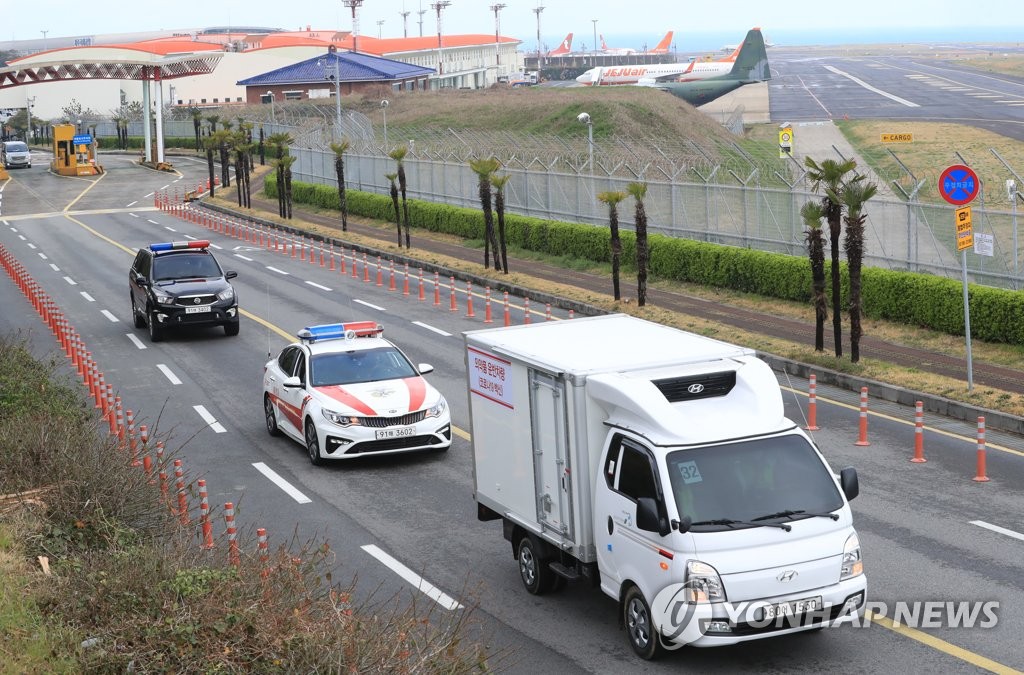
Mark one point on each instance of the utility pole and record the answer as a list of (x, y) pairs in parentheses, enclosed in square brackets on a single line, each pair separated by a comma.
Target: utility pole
[(28, 119), (355, 5), (537, 11), (497, 32), (405, 23), (438, 6), (595, 34), (421, 12), (380, 22), (44, 32)]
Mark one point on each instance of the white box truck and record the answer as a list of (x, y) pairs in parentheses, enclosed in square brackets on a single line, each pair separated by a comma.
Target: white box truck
[(660, 466)]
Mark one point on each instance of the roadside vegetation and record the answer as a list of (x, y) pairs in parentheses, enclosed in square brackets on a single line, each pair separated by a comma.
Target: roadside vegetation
[(98, 573)]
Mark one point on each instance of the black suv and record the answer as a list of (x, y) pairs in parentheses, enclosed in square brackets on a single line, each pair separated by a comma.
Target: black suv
[(180, 284)]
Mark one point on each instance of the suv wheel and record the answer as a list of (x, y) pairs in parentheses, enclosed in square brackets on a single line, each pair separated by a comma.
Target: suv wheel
[(156, 331), (231, 328), (137, 319)]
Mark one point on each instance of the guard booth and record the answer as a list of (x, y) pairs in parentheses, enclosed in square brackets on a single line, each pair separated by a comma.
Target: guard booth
[(73, 154)]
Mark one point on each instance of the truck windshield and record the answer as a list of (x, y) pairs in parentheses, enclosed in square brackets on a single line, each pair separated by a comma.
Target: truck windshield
[(749, 480)]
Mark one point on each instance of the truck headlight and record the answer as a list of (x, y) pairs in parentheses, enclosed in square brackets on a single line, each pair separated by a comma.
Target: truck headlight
[(338, 418), (852, 565), (437, 409), (227, 294), (703, 582)]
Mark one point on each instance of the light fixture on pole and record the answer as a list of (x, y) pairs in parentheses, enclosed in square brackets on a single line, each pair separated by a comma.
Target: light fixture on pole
[(355, 5), (384, 109), (497, 32), (405, 22), (585, 118), (273, 115), (334, 75), (437, 7), (421, 12), (537, 10), (380, 22), (44, 32)]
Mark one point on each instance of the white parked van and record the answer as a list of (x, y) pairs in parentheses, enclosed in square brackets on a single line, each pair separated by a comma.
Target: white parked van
[(659, 465), (16, 154)]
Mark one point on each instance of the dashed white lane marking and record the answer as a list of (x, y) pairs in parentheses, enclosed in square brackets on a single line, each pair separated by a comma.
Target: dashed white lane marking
[(107, 313), (134, 215), (132, 204), (169, 228), (88, 298), (150, 220), (166, 186), (274, 269), (892, 97), (209, 419), (71, 281), (147, 196), (32, 246), (22, 237), (43, 256), (212, 245), (416, 580), (1000, 530), (367, 304), (316, 285), (136, 341), (54, 267), (189, 236), (168, 374), (276, 479), (429, 327), (239, 255)]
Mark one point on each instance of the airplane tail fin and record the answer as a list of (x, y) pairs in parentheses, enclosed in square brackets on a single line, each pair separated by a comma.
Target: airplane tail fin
[(751, 62), (604, 47), (665, 45), (564, 47)]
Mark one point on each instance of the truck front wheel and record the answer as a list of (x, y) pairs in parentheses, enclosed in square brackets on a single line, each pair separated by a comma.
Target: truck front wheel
[(533, 568), (636, 616)]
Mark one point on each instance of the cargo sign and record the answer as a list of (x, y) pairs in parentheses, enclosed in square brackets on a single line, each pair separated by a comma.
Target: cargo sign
[(897, 138), (964, 232), (490, 377)]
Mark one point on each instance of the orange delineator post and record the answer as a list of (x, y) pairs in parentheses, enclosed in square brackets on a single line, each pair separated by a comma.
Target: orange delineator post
[(981, 474), (454, 306), (526, 310), (391, 277), (366, 270), (487, 305), (179, 484), (572, 314), (229, 519), (547, 311), (918, 457), (508, 316), (204, 515), (160, 467), (469, 300), (812, 404), (422, 295), (437, 289), (147, 463), (264, 553), (331, 268), (405, 281), (380, 273), (863, 437)]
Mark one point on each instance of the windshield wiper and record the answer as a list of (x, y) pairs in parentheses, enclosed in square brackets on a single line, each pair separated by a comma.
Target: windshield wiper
[(800, 512), (728, 522)]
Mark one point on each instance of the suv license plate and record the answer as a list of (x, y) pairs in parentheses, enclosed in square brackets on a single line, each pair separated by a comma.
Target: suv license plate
[(792, 608), (197, 310), (399, 432)]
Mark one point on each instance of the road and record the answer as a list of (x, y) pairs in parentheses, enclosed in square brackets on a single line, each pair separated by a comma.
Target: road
[(76, 237)]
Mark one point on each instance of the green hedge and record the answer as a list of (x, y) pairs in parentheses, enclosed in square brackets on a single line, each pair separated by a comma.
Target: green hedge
[(997, 315), (138, 142)]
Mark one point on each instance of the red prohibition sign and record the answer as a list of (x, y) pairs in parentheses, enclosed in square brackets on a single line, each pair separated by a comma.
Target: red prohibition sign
[(959, 185)]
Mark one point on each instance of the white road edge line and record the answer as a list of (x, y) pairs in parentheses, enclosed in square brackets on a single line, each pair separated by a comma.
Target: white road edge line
[(276, 479), (274, 269), (239, 255), (316, 285), (903, 101), (429, 327), (1000, 530), (168, 374), (209, 419), (367, 304), (416, 580)]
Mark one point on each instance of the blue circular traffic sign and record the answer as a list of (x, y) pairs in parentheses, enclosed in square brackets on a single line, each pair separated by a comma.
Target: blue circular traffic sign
[(958, 184)]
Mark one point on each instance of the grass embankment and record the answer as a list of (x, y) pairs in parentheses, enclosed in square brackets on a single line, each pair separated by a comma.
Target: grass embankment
[(98, 575)]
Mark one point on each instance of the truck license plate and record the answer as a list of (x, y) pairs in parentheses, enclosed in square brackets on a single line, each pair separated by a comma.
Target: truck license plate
[(397, 432), (792, 608), (197, 310)]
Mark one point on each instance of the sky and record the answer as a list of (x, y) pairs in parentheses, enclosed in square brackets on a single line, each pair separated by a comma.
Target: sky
[(621, 22)]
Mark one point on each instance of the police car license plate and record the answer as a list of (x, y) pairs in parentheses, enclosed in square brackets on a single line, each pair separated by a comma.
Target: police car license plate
[(397, 432), (197, 310), (792, 608)]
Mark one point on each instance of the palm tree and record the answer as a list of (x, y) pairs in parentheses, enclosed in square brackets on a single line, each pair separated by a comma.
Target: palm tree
[(398, 154), (278, 165), (213, 119), (394, 200), (484, 168), (279, 144), (219, 139), (197, 119), (639, 191), (812, 213), (831, 176), (287, 162), (499, 183), (208, 143), (855, 194), (339, 169), (612, 199)]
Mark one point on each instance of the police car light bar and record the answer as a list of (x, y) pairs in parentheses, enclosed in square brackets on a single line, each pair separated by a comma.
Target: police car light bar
[(335, 331), (179, 245)]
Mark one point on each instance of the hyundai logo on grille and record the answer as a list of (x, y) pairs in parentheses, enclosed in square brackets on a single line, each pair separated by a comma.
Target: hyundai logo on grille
[(695, 388), (788, 575)]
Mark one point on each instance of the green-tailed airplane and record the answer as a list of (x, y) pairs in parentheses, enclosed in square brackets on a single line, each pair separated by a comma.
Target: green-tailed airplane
[(751, 66)]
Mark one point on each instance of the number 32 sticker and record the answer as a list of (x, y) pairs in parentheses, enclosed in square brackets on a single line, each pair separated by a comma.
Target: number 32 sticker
[(690, 473)]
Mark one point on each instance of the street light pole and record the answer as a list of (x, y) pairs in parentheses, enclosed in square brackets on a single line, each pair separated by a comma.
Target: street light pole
[(44, 32), (384, 109), (354, 4), (497, 32), (421, 12), (28, 118), (438, 6), (380, 22), (405, 22), (537, 10), (273, 115), (585, 118), (594, 21)]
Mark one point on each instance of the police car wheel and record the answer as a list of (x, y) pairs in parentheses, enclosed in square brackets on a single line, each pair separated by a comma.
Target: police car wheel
[(313, 444), (271, 417), (156, 331)]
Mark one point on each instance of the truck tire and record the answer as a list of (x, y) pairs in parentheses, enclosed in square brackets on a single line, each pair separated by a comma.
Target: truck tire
[(636, 617), (533, 568)]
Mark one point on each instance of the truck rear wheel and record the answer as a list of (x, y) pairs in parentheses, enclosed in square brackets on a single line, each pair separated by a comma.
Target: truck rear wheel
[(533, 568), (636, 617)]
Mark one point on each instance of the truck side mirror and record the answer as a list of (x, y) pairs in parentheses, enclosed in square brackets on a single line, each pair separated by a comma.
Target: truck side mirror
[(647, 517), (848, 480)]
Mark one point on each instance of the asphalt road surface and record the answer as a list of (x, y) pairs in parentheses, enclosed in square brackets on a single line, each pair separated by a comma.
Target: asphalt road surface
[(919, 523)]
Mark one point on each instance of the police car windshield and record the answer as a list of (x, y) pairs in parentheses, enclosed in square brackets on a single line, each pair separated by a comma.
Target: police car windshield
[(745, 480), (362, 365), (185, 266)]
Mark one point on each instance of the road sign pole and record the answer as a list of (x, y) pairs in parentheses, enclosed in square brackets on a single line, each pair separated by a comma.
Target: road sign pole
[(967, 321)]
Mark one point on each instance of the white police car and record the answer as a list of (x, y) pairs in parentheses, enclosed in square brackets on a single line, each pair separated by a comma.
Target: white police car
[(343, 391)]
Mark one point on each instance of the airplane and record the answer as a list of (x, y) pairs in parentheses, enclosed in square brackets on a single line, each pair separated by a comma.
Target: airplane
[(665, 72), (563, 48), (750, 66), (665, 46), (620, 51)]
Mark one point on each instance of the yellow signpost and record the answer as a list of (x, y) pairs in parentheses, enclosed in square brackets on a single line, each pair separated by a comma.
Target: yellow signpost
[(785, 140), (964, 232), (897, 138)]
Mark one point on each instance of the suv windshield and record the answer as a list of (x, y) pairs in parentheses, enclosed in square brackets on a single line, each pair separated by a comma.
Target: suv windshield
[(16, 146), (185, 266), (748, 480), (363, 365)]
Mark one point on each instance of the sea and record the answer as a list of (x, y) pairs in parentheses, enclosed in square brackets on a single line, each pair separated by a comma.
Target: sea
[(687, 42)]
